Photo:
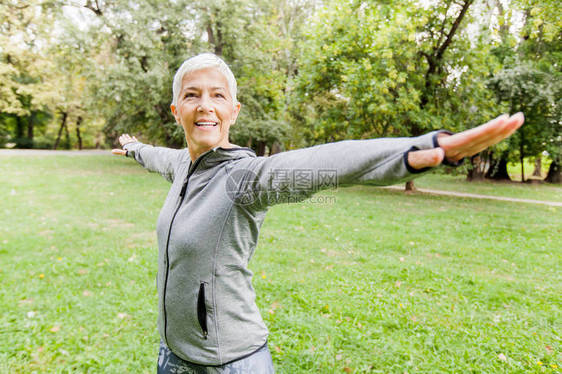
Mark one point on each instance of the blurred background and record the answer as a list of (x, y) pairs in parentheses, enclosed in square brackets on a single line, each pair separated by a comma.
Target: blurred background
[(74, 74)]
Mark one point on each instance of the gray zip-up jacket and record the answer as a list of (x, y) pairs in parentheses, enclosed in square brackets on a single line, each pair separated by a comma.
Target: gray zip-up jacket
[(209, 225)]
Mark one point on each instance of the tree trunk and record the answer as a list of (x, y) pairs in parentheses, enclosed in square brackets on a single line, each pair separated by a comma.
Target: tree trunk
[(78, 123), (498, 170), (19, 127), (478, 171), (62, 126), (554, 173), (20, 131), (30, 124), (260, 151), (66, 137), (538, 167), (522, 169), (215, 40), (522, 154), (410, 187), (275, 148)]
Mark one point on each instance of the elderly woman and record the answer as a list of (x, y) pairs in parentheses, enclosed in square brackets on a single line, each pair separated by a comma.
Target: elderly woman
[(208, 227)]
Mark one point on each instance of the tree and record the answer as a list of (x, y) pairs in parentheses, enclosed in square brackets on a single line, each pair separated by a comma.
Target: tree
[(132, 84), (554, 144), (22, 64), (258, 38), (528, 90), (530, 57), (391, 69), (542, 45), (65, 84), (137, 47)]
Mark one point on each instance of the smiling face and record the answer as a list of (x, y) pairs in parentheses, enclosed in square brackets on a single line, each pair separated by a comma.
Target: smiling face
[(205, 110)]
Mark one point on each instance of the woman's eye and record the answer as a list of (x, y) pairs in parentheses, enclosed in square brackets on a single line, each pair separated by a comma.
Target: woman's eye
[(189, 94), (220, 95)]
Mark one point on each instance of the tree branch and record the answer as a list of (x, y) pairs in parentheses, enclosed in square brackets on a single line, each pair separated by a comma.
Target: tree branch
[(96, 9), (434, 60), (442, 31), (453, 30), (143, 60)]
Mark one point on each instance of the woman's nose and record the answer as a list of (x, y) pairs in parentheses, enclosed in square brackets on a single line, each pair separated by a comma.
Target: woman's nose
[(205, 104)]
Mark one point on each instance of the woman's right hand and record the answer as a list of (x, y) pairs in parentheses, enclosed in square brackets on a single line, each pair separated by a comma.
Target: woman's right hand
[(124, 139)]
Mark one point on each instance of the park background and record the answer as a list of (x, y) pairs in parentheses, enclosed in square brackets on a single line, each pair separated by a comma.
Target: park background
[(415, 283)]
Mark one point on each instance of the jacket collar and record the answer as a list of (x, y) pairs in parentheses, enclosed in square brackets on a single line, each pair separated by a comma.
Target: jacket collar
[(218, 155)]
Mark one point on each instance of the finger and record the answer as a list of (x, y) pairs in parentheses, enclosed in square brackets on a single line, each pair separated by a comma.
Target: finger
[(470, 142), (505, 129), (124, 139), (502, 132), (516, 121), (119, 152), (474, 135)]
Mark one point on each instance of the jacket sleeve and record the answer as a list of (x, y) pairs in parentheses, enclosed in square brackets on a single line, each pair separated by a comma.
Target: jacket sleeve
[(295, 175), (156, 159)]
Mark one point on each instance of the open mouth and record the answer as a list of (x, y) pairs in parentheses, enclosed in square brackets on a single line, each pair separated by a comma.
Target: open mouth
[(206, 124)]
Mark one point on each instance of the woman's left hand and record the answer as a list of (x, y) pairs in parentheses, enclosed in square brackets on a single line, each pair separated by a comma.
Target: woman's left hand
[(467, 143), (124, 139)]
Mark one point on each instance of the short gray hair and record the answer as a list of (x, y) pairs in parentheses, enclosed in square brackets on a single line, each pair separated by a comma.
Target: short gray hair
[(199, 62)]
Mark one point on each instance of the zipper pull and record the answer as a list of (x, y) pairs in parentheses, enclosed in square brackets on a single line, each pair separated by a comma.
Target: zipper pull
[(183, 189)]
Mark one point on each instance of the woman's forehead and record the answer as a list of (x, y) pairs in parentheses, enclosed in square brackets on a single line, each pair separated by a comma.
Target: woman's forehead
[(207, 78)]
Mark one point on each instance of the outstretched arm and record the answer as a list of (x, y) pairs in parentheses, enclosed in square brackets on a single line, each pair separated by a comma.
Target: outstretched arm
[(295, 175), (467, 143), (157, 159)]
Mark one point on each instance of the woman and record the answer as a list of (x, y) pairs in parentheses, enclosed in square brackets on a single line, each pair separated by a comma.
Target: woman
[(208, 228)]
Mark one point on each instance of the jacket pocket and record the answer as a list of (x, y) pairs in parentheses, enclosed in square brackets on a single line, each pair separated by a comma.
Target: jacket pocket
[(202, 310)]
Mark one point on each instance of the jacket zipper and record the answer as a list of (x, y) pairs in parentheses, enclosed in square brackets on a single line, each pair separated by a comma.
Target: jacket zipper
[(202, 310), (181, 196)]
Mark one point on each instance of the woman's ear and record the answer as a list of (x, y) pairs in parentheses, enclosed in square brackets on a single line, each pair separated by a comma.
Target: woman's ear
[(175, 113), (236, 112)]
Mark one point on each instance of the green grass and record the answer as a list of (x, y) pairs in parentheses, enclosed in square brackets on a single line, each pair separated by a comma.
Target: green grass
[(458, 183), (370, 281)]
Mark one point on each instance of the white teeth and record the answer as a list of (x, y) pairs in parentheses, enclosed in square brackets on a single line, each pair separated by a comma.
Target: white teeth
[(205, 123)]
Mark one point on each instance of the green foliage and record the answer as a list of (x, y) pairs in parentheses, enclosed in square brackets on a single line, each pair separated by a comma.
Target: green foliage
[(526, 89), (374, 70), (248, 35), (141, 46), (308, 72), (530, 79), (23, 63), (138, 47)]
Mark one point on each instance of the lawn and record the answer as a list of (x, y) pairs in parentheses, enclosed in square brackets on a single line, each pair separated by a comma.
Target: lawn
[(355, 280), (518, 190)]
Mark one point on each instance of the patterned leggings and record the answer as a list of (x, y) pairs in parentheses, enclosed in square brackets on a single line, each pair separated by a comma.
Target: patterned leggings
[(258, 362)]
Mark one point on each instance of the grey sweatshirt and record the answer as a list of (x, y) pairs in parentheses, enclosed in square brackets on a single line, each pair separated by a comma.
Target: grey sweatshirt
[(208, 230)]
